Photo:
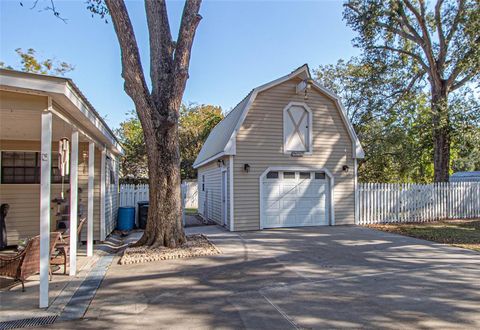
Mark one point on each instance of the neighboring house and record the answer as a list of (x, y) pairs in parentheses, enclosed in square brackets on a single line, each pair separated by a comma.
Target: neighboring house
[(26, 101), (285, 156), (473, 176)]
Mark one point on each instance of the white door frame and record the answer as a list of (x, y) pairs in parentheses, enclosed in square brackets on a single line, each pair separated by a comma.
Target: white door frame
[(224, 196), (330, 196)]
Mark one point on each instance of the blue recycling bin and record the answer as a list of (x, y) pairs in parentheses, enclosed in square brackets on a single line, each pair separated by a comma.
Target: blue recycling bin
[(126, 218)]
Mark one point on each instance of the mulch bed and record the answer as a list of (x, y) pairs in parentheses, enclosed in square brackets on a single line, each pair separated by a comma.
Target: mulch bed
[(197, 245)]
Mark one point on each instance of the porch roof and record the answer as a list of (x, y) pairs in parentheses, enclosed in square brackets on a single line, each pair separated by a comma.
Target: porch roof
[(68, 96)]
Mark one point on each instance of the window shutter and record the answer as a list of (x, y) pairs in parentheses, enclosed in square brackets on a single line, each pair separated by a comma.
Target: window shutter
[(296, 134)]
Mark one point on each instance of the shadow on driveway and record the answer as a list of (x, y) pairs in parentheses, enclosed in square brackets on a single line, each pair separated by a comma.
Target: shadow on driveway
[(322, 277)]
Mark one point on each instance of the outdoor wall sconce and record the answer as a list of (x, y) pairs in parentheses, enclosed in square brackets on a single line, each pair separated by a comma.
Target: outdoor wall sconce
[(220, 162), (246, 168), (345, 168), (304, 86)]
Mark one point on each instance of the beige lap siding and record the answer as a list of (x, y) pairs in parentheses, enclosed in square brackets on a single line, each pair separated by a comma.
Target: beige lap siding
[(24, 199), (210, 199), (260, 144)]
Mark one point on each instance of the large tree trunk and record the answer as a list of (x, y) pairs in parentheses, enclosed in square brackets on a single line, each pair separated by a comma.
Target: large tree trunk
[(158, 109), (441, 133), (164, 227)]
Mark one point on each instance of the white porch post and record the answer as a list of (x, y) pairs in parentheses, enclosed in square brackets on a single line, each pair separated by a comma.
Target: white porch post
[(73, 203), (45, 177), (102, 193), (355, 183), (91, 173)]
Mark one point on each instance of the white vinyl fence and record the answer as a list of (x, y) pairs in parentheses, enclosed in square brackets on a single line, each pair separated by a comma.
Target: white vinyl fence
[(385, 202), (131, 194), (190, 190)]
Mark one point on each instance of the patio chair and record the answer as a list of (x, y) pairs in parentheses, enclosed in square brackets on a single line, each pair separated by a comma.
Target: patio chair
[(26, 262), (60, 257)]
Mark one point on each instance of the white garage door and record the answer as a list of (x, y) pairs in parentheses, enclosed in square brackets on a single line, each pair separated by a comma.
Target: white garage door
[(294, 199)]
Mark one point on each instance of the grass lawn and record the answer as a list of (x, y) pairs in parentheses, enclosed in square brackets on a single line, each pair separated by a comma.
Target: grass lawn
[(461, 233), (191, 211)]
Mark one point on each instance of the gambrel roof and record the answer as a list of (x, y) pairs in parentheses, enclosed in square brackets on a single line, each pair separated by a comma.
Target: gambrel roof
[(222, 139)]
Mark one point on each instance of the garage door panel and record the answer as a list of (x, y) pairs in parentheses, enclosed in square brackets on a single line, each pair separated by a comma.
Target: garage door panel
[(288, 189), (272, 190), (294, 202), (307, 203), (273, 206)]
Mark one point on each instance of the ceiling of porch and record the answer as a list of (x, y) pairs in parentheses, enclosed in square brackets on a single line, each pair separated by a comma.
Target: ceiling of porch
[(26, 125)]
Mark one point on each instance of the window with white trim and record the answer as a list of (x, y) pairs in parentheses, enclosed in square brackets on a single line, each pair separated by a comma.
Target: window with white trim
[(297, 130), (23, 167)]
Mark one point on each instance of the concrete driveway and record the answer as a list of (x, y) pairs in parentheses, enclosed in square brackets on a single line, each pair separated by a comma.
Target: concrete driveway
[(323, 277)]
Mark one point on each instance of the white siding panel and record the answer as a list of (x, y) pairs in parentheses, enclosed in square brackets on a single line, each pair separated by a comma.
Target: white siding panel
[(210, 198)]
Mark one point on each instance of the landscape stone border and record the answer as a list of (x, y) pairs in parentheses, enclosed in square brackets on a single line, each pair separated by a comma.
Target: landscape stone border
[(197, 245)]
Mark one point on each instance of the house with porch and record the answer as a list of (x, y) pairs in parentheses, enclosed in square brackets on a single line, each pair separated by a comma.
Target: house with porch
[(40, 115)]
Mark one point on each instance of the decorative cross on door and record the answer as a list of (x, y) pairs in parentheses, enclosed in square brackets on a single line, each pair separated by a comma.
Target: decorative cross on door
[(297, 130)]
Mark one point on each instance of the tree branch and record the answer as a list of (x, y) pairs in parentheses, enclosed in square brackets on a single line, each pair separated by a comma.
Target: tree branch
[(409, 26), (190, 20), (426, 42), (405, 52), (459, 64), (161, 45), (410, 85), (456, 21), (467, 78), (443, 47), (132, 71)]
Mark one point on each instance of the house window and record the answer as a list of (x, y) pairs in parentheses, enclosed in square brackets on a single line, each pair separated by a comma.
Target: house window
[(289, 175), (110, 164), (19, 167), (304, 175), (319, 176), (297, 128), (272, 175), (203, 182)]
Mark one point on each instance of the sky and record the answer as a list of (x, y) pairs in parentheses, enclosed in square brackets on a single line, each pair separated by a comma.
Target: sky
[(239, 45)]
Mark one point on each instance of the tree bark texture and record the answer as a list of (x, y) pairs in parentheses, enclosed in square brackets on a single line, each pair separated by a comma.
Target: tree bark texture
[(158, 109), (441, 134)]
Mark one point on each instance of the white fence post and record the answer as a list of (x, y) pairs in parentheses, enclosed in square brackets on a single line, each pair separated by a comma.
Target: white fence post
[(385, 202)]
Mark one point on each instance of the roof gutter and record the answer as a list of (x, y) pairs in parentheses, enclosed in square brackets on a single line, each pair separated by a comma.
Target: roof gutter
[(208, 160)]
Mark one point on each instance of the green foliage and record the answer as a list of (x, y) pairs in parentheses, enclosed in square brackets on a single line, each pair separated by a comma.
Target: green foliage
[(134, 164), (30, 63), (442, 36), (393, 121), (195, 124), (416, 56), (466, 132)]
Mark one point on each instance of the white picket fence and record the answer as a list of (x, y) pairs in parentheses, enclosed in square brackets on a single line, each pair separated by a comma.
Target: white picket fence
[(190, 191), (131, 194), (384, 203)]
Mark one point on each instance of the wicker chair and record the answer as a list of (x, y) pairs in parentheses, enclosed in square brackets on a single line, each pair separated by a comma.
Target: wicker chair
[(60, 256), (27, 262)]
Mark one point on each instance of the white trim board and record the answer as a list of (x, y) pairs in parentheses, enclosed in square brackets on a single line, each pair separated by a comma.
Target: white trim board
[(232, 207)]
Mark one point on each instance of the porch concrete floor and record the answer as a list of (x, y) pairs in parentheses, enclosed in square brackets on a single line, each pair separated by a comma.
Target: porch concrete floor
[(323, 277), (20, 305)]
